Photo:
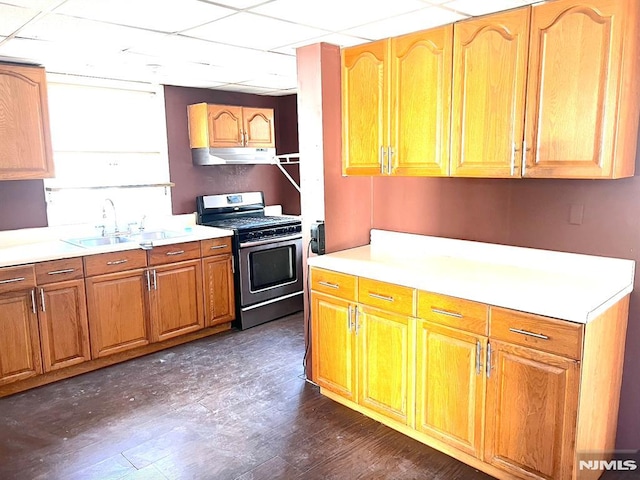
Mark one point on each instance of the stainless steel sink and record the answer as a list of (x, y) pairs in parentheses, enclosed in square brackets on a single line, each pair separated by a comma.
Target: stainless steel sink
[(97, 241), (142, 237)]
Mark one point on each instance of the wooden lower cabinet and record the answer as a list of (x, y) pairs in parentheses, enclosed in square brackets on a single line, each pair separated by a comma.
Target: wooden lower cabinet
[(219, 300), (385, 359), (64, 328), (450, 386), (19, 341), (532, 399), (334, 347), (175, 300), (118, 311)]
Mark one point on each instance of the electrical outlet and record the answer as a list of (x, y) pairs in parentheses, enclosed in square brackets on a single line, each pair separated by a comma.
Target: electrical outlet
[(317, 237)]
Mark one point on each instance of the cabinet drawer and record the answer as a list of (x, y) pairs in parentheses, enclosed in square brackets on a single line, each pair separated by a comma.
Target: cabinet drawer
[(454, 312), (13, 279), (334, 283), (386, 296), (114, 262), (542, 333), (177, 252), (59, 270), (215, 246)]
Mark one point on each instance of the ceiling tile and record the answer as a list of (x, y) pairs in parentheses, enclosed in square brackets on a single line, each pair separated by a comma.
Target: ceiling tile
[(333, 38), (273, 81), (237, 4), (13, 18), (288, 91), (102, 36), (168, 15), (254, 31), (232, 87), (38, 5), (336, 15), (475, 8), (411, 22)]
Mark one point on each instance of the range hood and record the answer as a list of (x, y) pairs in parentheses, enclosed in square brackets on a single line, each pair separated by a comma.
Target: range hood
[(233, 156)]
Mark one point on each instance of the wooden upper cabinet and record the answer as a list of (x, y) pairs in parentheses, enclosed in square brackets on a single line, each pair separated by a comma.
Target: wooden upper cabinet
[(420, 96), (365, 109), (531, 416), (582, 113), (225, 126), (489, 79), (25, 141), (259, 130)]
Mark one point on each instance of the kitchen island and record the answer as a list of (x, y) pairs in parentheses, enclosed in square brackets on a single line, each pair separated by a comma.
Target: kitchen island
[(509, 359), (72, 301)]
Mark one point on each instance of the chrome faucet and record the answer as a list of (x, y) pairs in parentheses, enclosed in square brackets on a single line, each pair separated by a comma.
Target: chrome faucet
[(108, 201)]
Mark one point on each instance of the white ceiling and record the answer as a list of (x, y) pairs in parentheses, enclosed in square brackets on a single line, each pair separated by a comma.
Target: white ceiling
[(237, 45)]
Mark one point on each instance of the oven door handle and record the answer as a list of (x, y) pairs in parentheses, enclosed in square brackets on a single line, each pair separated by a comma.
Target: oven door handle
[(270, 240)]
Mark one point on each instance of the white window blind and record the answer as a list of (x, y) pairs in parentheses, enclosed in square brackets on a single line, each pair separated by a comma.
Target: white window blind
[(109, 141)]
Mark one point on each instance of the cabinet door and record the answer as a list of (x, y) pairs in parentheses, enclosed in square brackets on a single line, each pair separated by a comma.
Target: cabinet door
[(450, 386), (19, 341), (219, 304), (385, 355), (225, 126), (489, 79), (334, 354), (365, 109), (117, 308), (575, 59), (421, 99), (176, 300), (259, 129), (25, 142), (64, 329), (531, 412)]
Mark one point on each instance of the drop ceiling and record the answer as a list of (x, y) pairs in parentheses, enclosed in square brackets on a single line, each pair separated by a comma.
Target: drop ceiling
[(242, 45)]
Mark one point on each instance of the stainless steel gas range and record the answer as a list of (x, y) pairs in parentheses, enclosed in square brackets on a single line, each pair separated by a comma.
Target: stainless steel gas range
[(267, 254)]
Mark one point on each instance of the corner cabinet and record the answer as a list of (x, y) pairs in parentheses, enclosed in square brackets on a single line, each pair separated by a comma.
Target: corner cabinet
[(544, 91), (25, 143), (222, 126), (395, 96), (512, 394)]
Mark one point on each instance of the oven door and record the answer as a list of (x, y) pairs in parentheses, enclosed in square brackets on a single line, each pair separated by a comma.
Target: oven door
[(270, 269)]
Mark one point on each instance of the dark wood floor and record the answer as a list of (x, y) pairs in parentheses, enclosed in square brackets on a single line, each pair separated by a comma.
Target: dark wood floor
[(232, 406)]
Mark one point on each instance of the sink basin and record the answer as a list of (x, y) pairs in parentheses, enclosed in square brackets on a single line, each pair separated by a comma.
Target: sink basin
[(142, 237), (97, 241), (149, 236)]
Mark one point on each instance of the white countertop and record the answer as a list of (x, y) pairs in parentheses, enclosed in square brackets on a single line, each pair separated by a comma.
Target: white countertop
[(555, 284), (19, 247)]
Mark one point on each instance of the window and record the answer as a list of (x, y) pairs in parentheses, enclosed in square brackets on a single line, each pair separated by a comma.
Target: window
[(109, 141)]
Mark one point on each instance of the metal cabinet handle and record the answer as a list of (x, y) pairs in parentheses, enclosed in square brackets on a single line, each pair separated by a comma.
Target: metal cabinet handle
[(381, 297), (155, 280), (349, 313), (328, 284), (148, 280), (233, 265), (389, 156), (33, 300), (12, 280), (529, 334), (489, 360), (525, 149), (218, 247), (357, 319), (444, 312), (118, 262), (177, 252), (44, 308), (59, 272), (478, 357), (382, 159), (514, 150)]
